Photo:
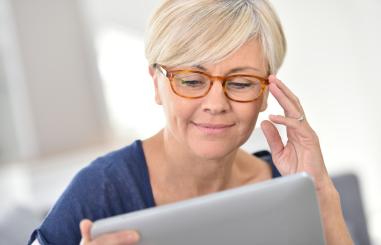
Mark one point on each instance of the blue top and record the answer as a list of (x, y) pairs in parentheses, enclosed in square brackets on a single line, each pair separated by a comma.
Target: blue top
[(116, 183)]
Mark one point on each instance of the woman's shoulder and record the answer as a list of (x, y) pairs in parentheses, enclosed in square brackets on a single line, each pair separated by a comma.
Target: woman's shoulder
[(120, 164), (110, 185), (120, 171), (125, 155), (107, 176)]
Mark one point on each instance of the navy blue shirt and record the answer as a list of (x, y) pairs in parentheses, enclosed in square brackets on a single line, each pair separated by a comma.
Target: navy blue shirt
[(116, 183)]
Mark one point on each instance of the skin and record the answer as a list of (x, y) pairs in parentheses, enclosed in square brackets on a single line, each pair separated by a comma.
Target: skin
[(210, 159), (198, 151)]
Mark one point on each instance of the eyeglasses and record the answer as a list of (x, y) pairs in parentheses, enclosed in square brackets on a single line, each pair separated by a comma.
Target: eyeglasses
[(193, 84)]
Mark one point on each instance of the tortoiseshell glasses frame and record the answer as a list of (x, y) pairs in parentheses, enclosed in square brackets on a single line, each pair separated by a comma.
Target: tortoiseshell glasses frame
[(171, 75)]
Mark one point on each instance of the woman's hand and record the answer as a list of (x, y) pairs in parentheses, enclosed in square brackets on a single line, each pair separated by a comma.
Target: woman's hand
[(123, 237), (302, 151)]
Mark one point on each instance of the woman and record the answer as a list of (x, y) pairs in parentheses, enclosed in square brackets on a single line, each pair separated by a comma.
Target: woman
[(213, 64)]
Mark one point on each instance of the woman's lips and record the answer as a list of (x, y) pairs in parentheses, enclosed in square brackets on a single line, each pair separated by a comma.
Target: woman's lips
[(213, 128)]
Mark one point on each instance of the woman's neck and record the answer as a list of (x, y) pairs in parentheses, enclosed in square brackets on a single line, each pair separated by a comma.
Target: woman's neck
[(182, 174)]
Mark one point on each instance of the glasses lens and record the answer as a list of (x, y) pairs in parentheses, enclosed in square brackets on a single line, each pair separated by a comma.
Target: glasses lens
[(243, 88), (190, 84)]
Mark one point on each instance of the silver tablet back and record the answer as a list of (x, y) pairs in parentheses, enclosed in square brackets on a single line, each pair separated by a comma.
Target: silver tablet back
[(279, 211)]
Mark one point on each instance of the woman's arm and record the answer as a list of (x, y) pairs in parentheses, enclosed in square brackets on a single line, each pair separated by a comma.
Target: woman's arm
[(335, 228), (302, 153)]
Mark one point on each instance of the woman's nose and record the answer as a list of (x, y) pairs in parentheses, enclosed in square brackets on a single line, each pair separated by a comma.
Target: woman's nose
[(216, 102)]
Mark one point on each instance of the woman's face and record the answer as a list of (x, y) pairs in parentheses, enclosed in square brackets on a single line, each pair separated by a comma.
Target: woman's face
[(213, 126)]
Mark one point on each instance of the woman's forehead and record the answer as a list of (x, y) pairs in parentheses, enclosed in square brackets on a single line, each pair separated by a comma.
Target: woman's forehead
[(248, 58)]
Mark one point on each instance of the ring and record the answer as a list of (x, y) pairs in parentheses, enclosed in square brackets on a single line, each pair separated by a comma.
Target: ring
[(301, 118)]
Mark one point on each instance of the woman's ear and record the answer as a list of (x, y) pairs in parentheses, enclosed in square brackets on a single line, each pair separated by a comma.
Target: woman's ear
[(153, 73), (264, 100)]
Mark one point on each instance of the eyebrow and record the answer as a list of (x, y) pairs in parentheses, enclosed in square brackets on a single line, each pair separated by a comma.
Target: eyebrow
[(234, 70)]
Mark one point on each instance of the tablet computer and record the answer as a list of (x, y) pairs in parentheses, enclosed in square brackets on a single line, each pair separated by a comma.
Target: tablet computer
[(278, 211)]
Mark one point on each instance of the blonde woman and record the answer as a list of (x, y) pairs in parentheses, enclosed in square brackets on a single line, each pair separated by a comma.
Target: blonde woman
[(213, 64)]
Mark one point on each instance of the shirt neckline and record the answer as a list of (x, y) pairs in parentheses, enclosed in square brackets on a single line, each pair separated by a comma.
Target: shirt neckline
[(148, 187)]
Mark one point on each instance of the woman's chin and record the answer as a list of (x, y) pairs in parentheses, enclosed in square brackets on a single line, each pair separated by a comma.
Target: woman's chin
[(213, 150)]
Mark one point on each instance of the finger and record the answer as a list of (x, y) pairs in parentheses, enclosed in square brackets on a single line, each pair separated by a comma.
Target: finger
[(292, 123), (288, 95), (302, 132), (128, 237), (289, 107), (85, 227), (272, 136), (284, 88)]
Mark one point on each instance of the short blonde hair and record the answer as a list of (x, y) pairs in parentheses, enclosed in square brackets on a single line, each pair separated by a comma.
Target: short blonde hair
[(195, 32)]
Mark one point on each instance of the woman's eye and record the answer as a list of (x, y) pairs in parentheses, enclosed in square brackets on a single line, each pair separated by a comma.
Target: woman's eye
[(241, 85), (192, 83)]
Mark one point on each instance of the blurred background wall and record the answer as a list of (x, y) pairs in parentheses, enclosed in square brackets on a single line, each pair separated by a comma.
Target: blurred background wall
[(74, 84)]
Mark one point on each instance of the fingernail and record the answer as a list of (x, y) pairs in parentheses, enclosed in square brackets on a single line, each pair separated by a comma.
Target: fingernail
[(275, 117), (272, 78), (132, 237)]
